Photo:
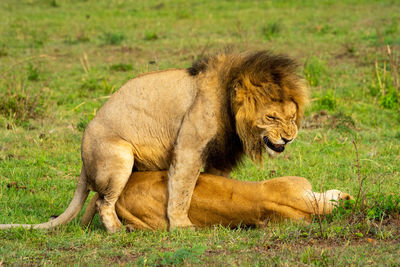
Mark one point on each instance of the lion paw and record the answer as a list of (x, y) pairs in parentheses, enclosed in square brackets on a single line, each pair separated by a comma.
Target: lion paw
[(109, 219), (337, 195), (183, 223)]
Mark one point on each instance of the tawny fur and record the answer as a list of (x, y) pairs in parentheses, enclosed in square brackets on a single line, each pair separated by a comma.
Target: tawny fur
[(219, 200), (181, 120)]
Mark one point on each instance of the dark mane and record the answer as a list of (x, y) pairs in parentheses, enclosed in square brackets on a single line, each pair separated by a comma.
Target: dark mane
[(200, 65), (263, 67), (248, 82), (265, 76)]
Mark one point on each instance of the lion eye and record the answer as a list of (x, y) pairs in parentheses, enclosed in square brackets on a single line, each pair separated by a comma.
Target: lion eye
[(271, 117)]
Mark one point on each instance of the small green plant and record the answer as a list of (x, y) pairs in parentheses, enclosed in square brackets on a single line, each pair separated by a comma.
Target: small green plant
[(343, 210), (113, 38), (313, 258), (121, 67), (33, 73), (366, 206), (181, 255), (36, 41), (387, 84), (271, 30), (3, 52), (314, 69), (182, 14), (53, 3), (370, 208), (84, 121), (150, 36), (389, 100), (326, 102), (386, 35), (344, 122), (174, 258), (20, 103), (383, 206), (393, 27), (91, 83)]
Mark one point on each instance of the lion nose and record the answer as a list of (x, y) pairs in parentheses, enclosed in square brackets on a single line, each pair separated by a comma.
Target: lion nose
[(286, 140)]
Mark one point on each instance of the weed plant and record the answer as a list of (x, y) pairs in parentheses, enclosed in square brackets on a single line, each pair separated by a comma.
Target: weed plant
[(113, 38)]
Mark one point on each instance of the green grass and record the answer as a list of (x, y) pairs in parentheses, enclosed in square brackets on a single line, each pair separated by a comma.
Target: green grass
[(59, 61)]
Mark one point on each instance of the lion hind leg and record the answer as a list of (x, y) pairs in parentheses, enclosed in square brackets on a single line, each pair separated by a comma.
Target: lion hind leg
[(90, 211), (106, 203), (132, 222), (113, 168)]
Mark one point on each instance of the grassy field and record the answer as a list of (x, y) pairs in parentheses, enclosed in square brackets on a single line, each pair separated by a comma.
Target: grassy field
[(60, 60)]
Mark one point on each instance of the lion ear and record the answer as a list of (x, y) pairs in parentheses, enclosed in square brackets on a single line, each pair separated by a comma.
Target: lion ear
[(240, 92), (244, 96)]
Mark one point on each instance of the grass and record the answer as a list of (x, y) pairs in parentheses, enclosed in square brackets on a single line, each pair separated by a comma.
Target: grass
[(113, 38), (60, 62)]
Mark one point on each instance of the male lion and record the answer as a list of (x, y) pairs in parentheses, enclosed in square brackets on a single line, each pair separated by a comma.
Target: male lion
[(219, 200), (181, 120)]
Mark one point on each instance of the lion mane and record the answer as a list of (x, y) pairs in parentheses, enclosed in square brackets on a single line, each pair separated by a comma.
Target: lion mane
[(251, 81)]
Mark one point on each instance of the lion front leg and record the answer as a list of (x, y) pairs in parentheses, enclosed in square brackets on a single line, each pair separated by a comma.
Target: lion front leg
[(182, 177), (181, 182), (191, 149)]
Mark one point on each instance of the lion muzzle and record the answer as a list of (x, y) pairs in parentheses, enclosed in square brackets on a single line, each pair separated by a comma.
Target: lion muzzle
[(275, 147)]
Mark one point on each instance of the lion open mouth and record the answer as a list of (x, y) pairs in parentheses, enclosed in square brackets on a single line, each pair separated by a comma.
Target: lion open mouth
[(276, 148)]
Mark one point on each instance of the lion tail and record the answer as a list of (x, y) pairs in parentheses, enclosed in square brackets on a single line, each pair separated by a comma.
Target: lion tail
[(76, 204)]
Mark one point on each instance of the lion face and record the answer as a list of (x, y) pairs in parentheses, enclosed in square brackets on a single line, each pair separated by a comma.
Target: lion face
[(277, 122)]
